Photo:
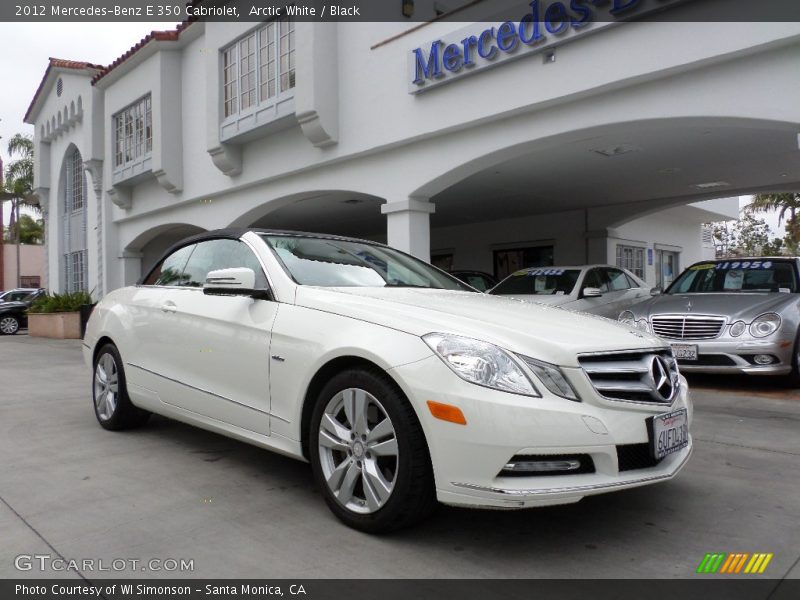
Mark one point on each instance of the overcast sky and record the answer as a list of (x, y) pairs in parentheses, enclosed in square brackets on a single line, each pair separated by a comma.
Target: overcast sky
[(26, 48)]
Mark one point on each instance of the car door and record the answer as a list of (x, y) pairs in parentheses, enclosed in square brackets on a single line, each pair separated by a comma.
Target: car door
[(219, 345), (148, 350), (593, 278)]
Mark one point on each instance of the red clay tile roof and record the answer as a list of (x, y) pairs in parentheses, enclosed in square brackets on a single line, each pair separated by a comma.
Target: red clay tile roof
[(159, 36), (60, 63), (101, 71)]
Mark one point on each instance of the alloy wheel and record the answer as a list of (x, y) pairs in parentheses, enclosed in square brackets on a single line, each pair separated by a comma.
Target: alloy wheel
[(358, 451), (9, 325), (106, 386)]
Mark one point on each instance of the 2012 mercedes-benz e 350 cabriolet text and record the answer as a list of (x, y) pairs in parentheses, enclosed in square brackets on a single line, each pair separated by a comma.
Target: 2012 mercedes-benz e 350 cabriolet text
[(400, 384)]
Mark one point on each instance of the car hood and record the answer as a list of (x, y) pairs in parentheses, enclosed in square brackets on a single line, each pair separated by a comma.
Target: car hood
[(735, 305), (544, 332), (548, 299)]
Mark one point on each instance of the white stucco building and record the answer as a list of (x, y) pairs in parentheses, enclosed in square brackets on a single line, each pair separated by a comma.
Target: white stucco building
[(599, 144)]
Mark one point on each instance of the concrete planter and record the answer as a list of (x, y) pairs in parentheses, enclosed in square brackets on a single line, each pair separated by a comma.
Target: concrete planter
[(63, 326)]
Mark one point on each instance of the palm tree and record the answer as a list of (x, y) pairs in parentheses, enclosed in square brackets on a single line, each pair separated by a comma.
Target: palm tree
[(785, 204), (18, 185), (19, 176)]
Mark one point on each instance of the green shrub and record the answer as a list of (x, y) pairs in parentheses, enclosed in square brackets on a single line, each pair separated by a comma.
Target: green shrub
[(56, 303)]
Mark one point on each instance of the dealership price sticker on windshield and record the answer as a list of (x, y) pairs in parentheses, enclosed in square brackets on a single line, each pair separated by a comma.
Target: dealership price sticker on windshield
[(669, 433)]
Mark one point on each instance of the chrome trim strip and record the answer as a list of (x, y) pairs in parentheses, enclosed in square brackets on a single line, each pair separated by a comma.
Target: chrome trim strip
[(577, 488), (263, 412)]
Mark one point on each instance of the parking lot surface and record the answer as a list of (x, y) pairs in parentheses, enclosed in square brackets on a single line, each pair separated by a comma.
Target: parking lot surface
[(169, 491)]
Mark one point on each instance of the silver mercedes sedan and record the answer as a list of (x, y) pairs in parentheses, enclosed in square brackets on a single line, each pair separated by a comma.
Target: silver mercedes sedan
[(729, 316)]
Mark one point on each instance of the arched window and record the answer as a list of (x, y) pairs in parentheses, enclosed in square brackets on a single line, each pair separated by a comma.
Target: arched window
[(74, 265)]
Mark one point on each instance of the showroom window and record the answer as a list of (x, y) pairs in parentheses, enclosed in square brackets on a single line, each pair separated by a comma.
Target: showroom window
[(259, 67), (133, 132), (514, 259), (631, 258)]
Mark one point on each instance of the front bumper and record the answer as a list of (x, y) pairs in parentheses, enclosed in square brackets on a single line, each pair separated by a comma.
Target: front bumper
[(734, 355), (468, 459)]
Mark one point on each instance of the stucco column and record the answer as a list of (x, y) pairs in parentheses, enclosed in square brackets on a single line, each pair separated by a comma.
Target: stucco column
[(408, 226), (130, 263)]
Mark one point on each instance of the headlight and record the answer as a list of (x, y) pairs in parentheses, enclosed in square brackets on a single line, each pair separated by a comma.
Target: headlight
[(552, 378), (642, 324), (765, 325), (738, 328), (481, 363)]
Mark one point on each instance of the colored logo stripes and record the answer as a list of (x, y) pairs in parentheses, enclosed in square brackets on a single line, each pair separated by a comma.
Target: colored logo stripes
[(735, 563)]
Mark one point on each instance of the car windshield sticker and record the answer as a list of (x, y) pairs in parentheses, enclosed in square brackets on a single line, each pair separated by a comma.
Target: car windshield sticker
[(702, 267), (536, 272), (746, 264), (733, 280)]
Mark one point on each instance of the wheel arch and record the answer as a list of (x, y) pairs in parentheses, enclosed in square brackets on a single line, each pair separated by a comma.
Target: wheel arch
[(102, 341), (323, 375)]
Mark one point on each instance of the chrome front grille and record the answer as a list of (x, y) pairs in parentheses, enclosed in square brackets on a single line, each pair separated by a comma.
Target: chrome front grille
[(687, 327), (636, 376)]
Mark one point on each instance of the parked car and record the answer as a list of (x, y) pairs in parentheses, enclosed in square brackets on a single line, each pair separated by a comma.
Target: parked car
[(399, 383), (478, 279), (14, 312), (729, 316), (19, 294), (596, 289)]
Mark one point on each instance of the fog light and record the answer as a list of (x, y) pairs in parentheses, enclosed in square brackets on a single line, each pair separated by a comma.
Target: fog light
[(542, 466), (763, 359)]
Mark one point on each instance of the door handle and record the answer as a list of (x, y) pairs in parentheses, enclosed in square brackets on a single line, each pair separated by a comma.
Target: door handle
[(169, 307)]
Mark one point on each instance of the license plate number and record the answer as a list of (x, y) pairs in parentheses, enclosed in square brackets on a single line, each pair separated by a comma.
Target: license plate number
[(669, 433), (685, 351)]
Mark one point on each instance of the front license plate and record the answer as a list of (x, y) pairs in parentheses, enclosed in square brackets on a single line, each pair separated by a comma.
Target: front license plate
[(685, 351), (669, 433)]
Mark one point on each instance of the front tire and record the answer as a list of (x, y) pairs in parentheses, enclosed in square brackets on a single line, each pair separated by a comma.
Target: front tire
[(9, 325), (369, 455), (112, 406)]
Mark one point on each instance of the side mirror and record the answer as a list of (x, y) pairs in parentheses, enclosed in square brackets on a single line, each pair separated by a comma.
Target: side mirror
[(656, 291), (592, 292), (234, 282)]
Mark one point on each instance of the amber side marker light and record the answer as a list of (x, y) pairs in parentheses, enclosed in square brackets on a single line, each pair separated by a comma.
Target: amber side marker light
[(447, 412)]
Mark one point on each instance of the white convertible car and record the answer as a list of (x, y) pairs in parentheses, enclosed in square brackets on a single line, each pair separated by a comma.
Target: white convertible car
[(401, 385)]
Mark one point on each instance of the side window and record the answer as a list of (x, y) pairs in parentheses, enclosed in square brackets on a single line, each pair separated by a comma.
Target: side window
[(221, 254), (596, 279), (170, 270), (617, 280)]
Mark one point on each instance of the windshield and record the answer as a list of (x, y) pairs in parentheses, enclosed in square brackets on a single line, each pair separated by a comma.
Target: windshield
[(341, 263), (736, 276), (540, 282)]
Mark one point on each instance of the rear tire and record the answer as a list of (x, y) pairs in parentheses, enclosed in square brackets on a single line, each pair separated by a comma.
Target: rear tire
[(112, 406), (369, 454), (9, 325)]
